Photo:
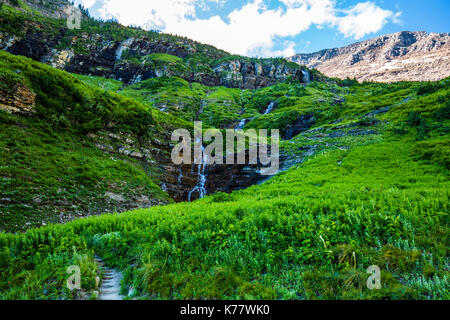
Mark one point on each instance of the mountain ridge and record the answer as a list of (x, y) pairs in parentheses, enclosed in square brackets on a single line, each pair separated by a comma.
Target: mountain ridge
[(110, 50), (401, 56)]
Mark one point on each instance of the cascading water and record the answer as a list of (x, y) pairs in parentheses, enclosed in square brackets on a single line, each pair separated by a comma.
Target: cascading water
[(270, 108), (180, 176), (241, 124), (200, 187), (122, 47), (306, 76)]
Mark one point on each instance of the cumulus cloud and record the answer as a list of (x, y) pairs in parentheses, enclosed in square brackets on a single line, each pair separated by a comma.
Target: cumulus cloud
[(251, 29), (87, 3), (150, 14), (362, 19)]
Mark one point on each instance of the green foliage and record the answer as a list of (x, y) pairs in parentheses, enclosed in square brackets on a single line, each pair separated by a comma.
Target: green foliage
[(443, 113), (51, 171), (169, 94), (360, 195), (348, 82), (63, 101), (291, 237), (429, 87), (436, 151), (416, 120), (221, 197), (52, 176)]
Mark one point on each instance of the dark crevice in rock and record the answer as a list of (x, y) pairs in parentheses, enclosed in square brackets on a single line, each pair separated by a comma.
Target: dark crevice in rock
[(303, 123)]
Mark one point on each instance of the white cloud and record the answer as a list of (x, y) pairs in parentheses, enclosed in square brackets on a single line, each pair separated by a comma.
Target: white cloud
[(287, 51), (87, 3), (251, 29), (362, 19), (396, 19), (149, 13)]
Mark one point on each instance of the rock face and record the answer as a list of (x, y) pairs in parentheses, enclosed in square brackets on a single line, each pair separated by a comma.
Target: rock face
[(49, 8), (178, 180), (18, 99), (105, 59), (251, 75), (129, 58), (402, 56)]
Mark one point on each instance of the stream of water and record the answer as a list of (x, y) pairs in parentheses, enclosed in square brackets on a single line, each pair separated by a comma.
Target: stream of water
[(306, 76), (200, 187), (270, 108), (241, 124), (110, 284)]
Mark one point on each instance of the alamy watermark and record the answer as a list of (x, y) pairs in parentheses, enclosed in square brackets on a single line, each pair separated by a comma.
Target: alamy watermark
[(74, 281), (73, 17), (260, 151), (374, 281)]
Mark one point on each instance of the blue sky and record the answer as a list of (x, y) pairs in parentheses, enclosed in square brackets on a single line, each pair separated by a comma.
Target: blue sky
[(277, 27)]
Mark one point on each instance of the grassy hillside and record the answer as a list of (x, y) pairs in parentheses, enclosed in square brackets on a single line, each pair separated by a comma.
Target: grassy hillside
[(308, 233), (51, 168), (370, 187)]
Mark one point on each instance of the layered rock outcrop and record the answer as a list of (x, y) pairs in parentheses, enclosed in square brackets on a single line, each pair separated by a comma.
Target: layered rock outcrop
[(49, 8), (18, 99), (256, 74), (105, 59), (178, 180), (129, 58)]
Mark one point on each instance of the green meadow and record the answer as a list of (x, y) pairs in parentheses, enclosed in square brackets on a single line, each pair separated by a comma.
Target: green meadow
[(374, 198)]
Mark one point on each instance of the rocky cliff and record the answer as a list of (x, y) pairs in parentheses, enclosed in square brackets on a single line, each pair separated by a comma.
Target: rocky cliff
[(181, 182), (17, 99), (110, 50), (48, 8), (402, 56)]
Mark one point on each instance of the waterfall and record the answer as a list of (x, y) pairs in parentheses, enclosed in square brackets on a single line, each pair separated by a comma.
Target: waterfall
[(200, 187), (122, 47), (270, 108), (306, 76), (135, 79), (180, 176), (241, 125)]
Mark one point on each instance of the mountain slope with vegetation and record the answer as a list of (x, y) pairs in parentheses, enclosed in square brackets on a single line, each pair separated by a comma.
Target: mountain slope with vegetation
[(52, 169), (364, 181), (107, 49)]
